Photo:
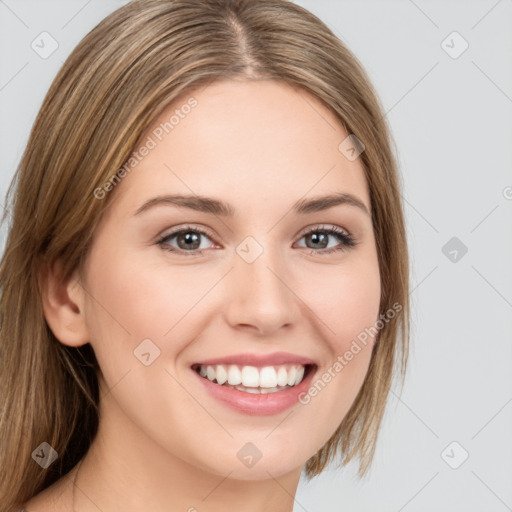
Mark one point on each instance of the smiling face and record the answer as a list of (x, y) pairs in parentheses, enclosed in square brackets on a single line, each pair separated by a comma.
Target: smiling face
[(182, 290)]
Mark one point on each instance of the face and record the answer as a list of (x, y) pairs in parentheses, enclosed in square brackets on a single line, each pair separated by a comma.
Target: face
[(204, 315)]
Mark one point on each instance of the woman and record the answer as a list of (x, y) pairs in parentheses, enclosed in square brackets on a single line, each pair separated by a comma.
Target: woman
[(205, 283)]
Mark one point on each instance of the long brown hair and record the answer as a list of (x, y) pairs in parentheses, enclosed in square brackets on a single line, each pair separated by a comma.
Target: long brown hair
[(117, 80)]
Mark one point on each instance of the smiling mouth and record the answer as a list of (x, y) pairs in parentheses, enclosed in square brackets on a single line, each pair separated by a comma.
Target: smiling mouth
[(256, 380)]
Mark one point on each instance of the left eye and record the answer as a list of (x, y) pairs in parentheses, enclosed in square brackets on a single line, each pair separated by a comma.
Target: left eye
[(345, 239), (189, 240)]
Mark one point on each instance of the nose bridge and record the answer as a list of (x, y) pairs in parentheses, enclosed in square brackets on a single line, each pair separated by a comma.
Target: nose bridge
[(259, 293)]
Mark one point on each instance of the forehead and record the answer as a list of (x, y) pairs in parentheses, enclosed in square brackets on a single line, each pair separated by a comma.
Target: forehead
[(246, 142)]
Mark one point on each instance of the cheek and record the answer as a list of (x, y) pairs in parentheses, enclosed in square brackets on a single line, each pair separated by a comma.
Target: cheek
[(134, 302), (347, 304), (347, 300), (139, 297)]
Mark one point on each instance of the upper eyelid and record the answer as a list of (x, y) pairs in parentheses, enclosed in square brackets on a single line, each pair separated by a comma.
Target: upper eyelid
[(202, 230), (322, 227)]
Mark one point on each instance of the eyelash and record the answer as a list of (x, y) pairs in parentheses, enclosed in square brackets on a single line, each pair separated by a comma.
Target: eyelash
[(346, 239)]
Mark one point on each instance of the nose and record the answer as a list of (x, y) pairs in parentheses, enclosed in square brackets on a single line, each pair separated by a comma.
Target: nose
[(260, 295)]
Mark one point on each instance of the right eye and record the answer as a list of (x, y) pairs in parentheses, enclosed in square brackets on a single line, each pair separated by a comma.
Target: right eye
[(189, 238)]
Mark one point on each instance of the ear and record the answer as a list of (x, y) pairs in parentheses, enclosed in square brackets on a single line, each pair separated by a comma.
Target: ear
[(63, 305)]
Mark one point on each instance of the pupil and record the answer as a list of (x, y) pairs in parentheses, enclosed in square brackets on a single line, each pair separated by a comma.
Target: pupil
[(189, 239), (315, 237)]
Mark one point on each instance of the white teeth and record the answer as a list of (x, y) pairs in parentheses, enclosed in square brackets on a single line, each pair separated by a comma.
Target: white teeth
[(261, 391), (282, 377), (254, 391), (292, 373), (234, 375), (251, 379), (222, 374), (210, 373), (264, 391), (268, 377)]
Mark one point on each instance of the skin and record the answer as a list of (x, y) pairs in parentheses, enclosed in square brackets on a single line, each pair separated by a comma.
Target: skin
[(164, 443)]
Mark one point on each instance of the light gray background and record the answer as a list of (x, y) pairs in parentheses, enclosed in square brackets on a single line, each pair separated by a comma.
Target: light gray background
[(452, 121)]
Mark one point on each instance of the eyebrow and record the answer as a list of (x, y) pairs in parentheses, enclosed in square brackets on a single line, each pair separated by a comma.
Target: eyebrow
[(220, 208)]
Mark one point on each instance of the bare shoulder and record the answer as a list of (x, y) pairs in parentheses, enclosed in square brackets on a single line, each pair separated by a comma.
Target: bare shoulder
[(56, 498)]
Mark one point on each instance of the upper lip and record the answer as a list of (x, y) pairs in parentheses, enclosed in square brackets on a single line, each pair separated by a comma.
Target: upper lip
[(274, 359)]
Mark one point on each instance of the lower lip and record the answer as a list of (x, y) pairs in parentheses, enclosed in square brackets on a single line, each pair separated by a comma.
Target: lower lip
[(257, 404)]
